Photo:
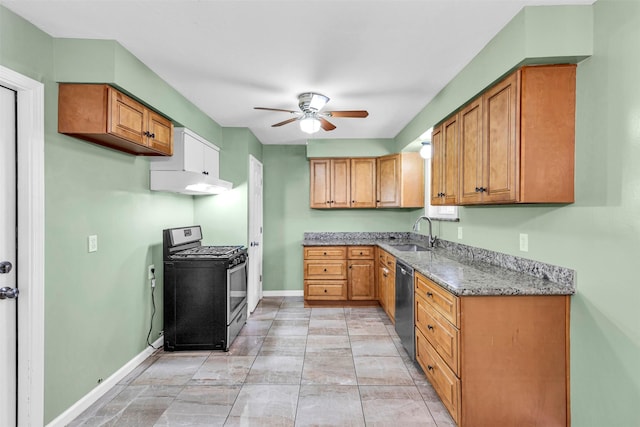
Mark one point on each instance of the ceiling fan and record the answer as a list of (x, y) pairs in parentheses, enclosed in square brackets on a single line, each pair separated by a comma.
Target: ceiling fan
[(310, 117)]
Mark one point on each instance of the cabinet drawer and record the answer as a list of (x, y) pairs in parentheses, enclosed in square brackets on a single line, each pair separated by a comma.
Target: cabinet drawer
[(442, 301), (325, 269), (325, 252), (360, 252), (387, 259), (325, 290), (443, 380), (441, 334)]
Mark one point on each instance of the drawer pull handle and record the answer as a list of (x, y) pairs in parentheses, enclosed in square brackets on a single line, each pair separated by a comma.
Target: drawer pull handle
[(429, 367), (325, 270), (360, 253), (429, 294), (430, 327), (325, 253), (325, 291)]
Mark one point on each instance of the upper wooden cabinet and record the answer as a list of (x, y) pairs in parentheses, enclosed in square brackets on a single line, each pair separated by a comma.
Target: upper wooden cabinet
[(444, 164), (342, 183), (517, 139), (394, 181), (400, 181), (103, 115), (363, 183)]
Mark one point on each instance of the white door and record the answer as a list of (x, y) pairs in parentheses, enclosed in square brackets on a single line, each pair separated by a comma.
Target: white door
[(255, 233), (8, 323)]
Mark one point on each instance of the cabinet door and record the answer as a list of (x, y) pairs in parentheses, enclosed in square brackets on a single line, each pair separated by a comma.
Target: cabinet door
[(363, 183), (501, 156), (450, 133), (388, 191), (193, 154), (210, 161), (361, 280), (340, 183), (471, 153), (160, 133), (320, 192), (127, 118), (437, 166)]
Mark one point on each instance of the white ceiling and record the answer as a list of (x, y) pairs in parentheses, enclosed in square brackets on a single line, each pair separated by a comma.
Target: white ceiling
[(390, 57)]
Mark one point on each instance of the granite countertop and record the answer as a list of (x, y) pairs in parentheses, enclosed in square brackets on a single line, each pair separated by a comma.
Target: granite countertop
[(460, 269)]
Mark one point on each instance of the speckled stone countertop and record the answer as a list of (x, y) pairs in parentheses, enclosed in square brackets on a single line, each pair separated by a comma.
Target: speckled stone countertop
[(461, 269)]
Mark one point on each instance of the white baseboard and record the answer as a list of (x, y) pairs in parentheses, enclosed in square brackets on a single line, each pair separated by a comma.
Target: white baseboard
[(299, 293), (90, 398)]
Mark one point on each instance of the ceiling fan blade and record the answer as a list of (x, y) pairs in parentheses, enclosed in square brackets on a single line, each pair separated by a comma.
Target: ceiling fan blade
[(284, 122), (352, 113), (275, 109), (326, 125)]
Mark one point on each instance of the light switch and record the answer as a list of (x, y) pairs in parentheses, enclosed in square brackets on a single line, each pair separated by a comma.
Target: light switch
[(524, 242), (93, 243)]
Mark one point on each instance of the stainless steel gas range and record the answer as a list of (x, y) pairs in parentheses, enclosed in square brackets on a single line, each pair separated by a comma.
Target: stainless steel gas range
[(205, 291)]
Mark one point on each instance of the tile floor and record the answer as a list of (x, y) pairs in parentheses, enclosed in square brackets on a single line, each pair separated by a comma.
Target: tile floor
[(290, 366)]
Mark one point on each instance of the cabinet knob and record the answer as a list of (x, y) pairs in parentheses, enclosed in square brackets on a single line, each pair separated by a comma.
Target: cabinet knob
[(325, 291), (353, 201), (430, 327), (477, 189), (429, 294), (360, 253), (153, 135), (429, 367), (350, 267), (325, 270), (483, 189), (325, 253)]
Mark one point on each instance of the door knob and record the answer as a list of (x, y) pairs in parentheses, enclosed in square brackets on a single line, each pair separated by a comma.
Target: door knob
[(5, 267), (8, 292)]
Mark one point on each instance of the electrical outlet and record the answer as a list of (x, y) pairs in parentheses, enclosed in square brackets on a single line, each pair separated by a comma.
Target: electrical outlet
[(93, 243), (151, 272), (524, 242), (459, 232)]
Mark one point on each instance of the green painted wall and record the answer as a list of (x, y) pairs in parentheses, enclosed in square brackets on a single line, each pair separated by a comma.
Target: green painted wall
[(98, 305), (288, 216), (542, 34), (598, 235), (350, 147)]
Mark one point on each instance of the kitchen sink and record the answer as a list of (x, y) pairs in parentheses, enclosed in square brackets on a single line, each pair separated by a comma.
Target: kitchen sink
[(410, 248)]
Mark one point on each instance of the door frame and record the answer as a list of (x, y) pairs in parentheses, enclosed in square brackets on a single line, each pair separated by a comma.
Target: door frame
[(30, 186), (253, 162)]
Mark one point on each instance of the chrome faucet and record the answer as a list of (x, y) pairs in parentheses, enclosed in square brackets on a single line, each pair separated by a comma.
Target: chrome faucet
[(431, 237)]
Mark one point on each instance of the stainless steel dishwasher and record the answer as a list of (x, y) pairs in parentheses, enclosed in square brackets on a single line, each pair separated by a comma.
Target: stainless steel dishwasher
[(405, 326)]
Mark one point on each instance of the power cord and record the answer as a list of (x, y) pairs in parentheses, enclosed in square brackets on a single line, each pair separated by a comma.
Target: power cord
[(153, 304)]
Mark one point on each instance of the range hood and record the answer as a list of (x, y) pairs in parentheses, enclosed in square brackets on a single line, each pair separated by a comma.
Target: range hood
[(187, 182), (193, 169)]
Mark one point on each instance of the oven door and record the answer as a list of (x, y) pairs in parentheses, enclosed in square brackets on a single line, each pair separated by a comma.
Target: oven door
[(236, 289)]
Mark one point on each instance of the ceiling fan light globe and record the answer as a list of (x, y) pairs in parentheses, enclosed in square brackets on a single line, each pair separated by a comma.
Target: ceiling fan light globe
[(309, 125), (425, 150)]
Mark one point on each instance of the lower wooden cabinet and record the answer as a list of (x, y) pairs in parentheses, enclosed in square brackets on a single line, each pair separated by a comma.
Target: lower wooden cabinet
[(495, 360), (387, 283), (339, 273)]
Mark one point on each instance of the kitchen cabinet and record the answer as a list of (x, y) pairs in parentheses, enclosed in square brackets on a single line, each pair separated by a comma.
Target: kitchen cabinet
[(444, 163), (517, 139), (387, 283), (363, 182), (330, 181), (103, 115), (495, 360), (191, 153), (339, 274), (361, 273), (400, 181), (343, 183), (394, 181)]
